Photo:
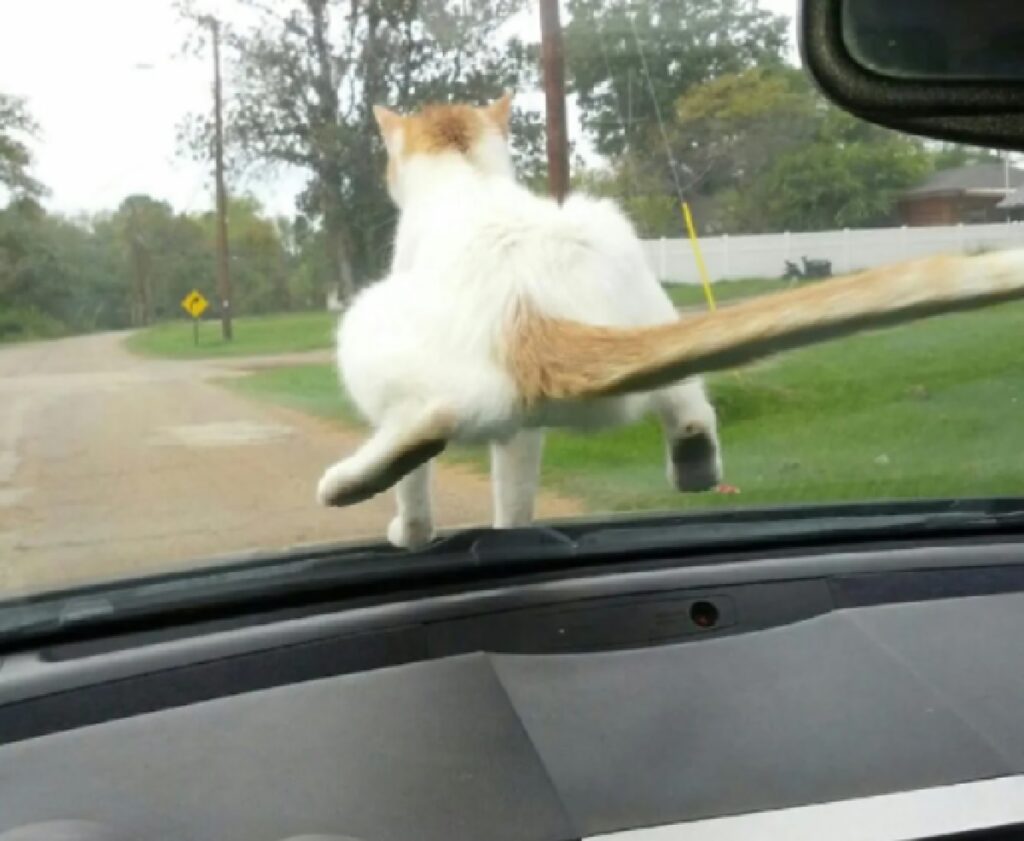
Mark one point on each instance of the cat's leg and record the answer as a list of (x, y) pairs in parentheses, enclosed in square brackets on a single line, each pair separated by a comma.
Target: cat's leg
[(407, 440), (691, 436), (413, 525), (515, 474)]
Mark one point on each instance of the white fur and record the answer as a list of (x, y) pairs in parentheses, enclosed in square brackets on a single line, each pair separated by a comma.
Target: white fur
[(515, 474), (471, 244)]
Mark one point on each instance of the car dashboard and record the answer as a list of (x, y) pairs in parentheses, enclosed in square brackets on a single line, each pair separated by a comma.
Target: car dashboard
[(567, 708)]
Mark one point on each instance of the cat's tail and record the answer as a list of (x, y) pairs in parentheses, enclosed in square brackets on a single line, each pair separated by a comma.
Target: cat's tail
[(553, 359)]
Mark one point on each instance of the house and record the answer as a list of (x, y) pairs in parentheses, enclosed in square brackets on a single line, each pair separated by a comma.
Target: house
[(966, 194), (1013, 205)]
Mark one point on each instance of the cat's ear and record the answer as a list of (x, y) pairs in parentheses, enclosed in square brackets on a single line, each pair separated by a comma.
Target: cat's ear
[(387, 120), (500, 111)]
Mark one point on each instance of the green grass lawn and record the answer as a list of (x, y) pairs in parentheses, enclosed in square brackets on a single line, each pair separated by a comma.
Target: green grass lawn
[(724, 291), (254, 336), (295, 332), (312, 388), (20, 324), (934, 409)]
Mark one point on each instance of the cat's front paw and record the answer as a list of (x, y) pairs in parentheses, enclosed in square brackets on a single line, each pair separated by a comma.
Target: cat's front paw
[(410, 534)]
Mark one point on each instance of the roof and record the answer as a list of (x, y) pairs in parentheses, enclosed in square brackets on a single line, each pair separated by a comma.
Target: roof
[(987, 178)]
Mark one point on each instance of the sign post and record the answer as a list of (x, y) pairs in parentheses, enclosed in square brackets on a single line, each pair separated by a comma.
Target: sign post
[(195, 305)]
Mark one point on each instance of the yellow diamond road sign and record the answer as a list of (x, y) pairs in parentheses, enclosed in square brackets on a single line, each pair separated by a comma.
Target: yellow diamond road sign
[(194, 303)]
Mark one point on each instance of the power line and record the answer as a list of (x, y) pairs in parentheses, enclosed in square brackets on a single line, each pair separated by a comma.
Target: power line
[(657, 108)]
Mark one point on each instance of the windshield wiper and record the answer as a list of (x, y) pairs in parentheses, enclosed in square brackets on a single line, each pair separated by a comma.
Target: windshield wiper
[(831, 528), (325, 573)]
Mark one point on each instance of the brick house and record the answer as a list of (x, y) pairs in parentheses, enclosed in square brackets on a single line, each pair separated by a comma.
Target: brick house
[(1013, 205), (966, 194)]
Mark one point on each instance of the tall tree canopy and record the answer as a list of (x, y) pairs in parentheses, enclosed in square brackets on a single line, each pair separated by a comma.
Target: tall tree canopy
[(761, 151), (134, 265), (16, 127), (780, 157), (304, 75), (629, 61)]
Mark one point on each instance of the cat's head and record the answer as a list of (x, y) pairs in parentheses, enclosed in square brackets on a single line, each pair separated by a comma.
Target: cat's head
[(477, 135)]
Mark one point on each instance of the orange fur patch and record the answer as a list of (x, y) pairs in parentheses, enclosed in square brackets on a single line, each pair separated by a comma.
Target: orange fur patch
[(553, 359), (442, 128)]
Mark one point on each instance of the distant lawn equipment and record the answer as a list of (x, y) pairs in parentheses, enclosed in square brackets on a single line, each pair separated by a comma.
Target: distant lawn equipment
[(812, 270)]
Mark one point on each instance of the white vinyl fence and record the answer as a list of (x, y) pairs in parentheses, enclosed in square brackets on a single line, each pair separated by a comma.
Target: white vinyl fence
[(764, 255)]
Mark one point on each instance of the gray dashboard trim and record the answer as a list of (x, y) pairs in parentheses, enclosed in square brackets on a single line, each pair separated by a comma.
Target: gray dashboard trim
[(25, 676), (851, 704), (904, 816)]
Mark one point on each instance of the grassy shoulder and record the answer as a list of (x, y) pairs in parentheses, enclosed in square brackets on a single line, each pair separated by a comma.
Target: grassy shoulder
[(311, 388), (268, 335), (929, 410), (685, 295), (20, 324), (253, 336)]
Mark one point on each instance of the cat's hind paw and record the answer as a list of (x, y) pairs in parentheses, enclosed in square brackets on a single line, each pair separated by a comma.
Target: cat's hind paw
[(410, 534), (338, 484), (389, 454), (694, 463)]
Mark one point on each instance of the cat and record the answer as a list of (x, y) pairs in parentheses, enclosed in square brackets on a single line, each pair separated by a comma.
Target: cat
[(445, 332), (506, 313)]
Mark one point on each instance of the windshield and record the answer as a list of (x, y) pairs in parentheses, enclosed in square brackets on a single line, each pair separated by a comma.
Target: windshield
[(194, 194)]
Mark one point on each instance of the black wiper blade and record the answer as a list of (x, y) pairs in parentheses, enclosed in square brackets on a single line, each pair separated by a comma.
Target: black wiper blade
[(324, 573), (684, 536)]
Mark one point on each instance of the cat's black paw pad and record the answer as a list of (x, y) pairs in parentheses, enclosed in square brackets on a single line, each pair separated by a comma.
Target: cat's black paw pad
[(695, 465)]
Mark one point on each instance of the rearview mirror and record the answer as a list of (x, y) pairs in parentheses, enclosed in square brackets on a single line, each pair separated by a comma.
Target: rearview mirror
[(945, 68), (955, 40)]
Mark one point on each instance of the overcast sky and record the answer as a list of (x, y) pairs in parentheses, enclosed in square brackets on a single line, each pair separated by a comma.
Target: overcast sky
[(107, 83)]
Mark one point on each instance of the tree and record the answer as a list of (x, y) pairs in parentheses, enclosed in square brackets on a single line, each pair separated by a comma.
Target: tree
[(727, 131), (92, 276), (57, 274), (165, 255), (653, 210), (722, 134), (629, 61), (953, 155), (134, 265), (16, 126), (760, 150), (305, 74), (304, 256), (850, 175), (260, 265), (29, 274), (140, 224)]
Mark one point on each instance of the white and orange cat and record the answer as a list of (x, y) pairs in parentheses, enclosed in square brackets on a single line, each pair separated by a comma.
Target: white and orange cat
[(506, 313)]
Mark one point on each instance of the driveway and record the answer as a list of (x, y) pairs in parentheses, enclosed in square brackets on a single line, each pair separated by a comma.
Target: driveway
[(114, 465)]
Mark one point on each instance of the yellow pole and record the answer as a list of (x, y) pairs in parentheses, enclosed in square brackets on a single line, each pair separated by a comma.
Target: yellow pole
[(701, 266)]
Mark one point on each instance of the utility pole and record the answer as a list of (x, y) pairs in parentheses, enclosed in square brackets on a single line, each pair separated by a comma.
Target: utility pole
[(142, 297), (223, 262), (553, 64)]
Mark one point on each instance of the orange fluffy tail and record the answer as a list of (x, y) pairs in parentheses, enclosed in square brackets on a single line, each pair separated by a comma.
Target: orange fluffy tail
[(552, 359)]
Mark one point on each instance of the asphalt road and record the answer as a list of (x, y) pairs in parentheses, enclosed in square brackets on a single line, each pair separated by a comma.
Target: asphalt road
[(113, 465)]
